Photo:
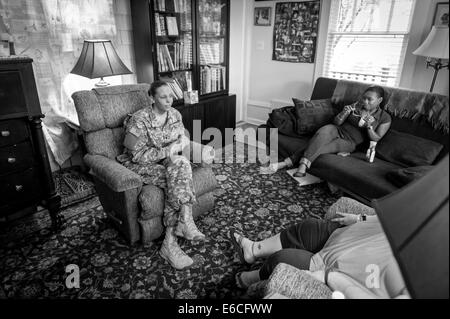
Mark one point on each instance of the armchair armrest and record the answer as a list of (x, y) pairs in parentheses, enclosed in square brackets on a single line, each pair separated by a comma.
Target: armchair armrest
[(196, 152), (294, 283), (349, 206), (115, 175)]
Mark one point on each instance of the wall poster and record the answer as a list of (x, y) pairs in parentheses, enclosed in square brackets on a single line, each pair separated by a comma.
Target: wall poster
[(295, 32)]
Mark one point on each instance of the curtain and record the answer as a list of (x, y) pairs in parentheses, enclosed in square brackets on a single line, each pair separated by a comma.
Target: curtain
[(52, 32)]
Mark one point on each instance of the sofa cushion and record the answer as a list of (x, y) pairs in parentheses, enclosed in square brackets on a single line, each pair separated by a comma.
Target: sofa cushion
[(403, 176), (354, 173), (312, 115), (407, 150)]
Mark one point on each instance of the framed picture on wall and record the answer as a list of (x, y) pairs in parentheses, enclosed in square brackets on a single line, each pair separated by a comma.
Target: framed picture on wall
[(263, 16), (295, 33), (441, 14)]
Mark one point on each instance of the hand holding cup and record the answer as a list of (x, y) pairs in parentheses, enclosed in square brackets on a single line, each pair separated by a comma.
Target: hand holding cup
[(349, 108)]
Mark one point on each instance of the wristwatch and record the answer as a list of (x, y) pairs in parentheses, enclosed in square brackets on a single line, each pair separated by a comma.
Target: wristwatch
[(362, 217)]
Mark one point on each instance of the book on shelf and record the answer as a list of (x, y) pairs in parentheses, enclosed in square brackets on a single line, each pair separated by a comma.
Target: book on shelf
[(186, 53), (171, 5), (172, 26), (173, 56), (160, 5), (178, 83), (176, 54), (212, 78), (211, 51), (177, 92), (158, 24), (181, 6), (168, 57), (185, 17), (162, 23)]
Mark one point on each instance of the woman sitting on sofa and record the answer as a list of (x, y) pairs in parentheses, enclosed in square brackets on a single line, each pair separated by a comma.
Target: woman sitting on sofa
[(350, 254), (361, 121)]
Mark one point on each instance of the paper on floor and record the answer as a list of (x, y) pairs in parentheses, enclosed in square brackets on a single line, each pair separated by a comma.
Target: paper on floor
[(307, 180)]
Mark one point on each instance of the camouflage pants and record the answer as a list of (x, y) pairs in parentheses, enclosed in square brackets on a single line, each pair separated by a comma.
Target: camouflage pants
[(175, 177)]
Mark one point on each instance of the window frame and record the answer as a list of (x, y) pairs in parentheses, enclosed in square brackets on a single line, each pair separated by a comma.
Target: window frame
[(332, 32)]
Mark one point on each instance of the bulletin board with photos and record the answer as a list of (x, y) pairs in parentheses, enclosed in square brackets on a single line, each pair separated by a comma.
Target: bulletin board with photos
[(295, 31)]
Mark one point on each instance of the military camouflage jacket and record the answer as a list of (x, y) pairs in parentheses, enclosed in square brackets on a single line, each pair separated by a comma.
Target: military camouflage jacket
[(153, 139)]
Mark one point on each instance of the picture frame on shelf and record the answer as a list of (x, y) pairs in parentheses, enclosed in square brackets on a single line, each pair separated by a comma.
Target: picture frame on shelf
[(441, 16), (263, 16)]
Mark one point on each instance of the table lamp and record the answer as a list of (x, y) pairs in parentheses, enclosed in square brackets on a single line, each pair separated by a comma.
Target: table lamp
[(99, 59), (435, 48)]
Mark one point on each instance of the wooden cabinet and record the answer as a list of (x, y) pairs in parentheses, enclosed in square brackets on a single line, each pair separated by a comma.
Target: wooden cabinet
[(218, 112), (25, 174)]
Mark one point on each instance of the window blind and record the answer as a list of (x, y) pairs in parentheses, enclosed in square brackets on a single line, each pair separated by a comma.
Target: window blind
[(367, 40)]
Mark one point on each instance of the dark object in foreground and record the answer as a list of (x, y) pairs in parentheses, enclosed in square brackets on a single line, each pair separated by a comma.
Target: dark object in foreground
[(416, 220)]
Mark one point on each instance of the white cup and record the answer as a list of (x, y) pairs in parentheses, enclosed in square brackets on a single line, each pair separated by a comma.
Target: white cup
[(361, 121)]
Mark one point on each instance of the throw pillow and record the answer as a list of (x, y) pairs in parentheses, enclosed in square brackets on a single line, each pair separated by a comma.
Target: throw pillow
[(403, 176), (407, 150), (312, 115), (285, 120)]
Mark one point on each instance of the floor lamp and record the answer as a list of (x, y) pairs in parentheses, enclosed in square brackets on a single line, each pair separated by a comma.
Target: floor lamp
[(435, 49)]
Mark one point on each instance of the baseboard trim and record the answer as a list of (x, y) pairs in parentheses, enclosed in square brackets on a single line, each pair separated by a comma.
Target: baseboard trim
[(254, 121), (260, 104)]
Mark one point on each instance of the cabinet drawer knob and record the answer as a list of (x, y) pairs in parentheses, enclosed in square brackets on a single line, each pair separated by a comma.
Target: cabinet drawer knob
[(11, 160), (5, 133), (19, 188)]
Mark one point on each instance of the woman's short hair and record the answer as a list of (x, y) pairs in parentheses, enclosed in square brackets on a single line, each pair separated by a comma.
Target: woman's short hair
[(156, 85), (377, 89)]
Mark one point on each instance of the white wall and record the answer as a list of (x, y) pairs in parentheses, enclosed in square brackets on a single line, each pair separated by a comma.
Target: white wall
[(239, 48), (415, 74), (272, 84)]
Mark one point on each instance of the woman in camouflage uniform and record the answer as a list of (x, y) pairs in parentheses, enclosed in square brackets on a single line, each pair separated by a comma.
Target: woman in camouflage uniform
[(153, 138)]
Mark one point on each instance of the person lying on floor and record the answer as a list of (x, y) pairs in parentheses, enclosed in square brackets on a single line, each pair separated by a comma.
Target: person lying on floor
[(342, 253), (153, 138), (358, 123)]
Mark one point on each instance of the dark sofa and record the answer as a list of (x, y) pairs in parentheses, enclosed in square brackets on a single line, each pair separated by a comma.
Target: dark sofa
[(421, 114)]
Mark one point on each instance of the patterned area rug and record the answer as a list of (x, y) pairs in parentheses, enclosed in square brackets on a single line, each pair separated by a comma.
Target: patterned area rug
[(73, 186), (33, 260)]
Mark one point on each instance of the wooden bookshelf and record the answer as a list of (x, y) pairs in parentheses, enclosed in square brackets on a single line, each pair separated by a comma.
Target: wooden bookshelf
[(199, 53)]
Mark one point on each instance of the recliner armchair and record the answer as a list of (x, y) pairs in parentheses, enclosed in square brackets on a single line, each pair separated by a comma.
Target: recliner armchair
[(135, 209)]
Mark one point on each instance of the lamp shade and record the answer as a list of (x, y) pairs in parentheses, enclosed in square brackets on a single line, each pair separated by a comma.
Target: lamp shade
[(436, 44), (98, 59)]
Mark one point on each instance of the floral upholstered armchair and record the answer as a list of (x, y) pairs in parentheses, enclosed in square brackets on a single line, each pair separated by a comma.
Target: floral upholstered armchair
[(135, 209)]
